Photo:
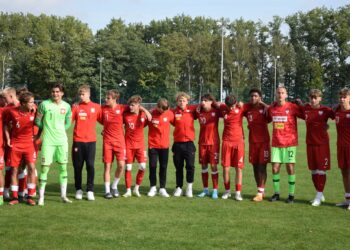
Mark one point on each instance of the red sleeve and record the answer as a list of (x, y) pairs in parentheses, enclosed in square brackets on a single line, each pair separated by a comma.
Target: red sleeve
[(298, 111), (331, 114)]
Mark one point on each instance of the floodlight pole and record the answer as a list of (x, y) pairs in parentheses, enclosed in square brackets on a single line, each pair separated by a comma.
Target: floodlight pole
[(100, 59)]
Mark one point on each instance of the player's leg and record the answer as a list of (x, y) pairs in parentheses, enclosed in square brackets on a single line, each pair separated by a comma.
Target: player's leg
[(78, 162), (141, 157), (22, 181), (130, 155), (203, 153), (290, 164), (189, 154), (153, 159), (47, 153), (178, 158), (276, 159), (226, 163), (120, 157), (107, 160), (89, 156), (61, 157), (238, 163), (163, 165), (1, 187), (345, 171), (31, 183), (214, 161), (14, 186)]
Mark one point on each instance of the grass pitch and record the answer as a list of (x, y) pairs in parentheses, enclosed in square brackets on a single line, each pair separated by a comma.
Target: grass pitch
[(182, 223)]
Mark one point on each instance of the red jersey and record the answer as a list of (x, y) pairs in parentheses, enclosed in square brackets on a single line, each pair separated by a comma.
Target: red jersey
[(209, 132), (85, 116), (284, 120), (184, 123), (1, 128), (134, 124), (342, 120), (21, 125), (257, 123), (316, 124), (112, 121), (159, 129), (6, 109), (233, 129)]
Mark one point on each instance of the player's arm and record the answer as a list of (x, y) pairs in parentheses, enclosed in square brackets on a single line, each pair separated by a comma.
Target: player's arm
[(68, 119), (7, 135), (39, 116), (147, 113)]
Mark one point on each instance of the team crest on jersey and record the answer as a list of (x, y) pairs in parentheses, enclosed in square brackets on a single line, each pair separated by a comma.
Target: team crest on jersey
[(287, 111), (117, 111), (142, 119), (92, 110), (261, 111), (63, 111), (347, 115), (75, 149), (165, 119), (187, 110), (31, 118), (236, 111), (213, 114), (320, 112)]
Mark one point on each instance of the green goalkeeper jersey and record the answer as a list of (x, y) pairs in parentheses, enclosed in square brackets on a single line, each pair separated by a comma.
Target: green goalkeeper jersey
[(54, 119)]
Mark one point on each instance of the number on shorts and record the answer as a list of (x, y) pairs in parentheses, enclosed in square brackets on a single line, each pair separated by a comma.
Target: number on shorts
[(291, 154)]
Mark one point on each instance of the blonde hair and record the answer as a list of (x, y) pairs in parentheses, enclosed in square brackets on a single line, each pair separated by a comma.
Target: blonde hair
[(344, 92), (113, 93), (135, 99), (84, 87), (182, 95), (315, 92)]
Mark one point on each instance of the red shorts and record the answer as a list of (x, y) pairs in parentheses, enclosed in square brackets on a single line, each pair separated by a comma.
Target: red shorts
[(209, 154), (140, 154), (232, 154), (259, 153), (2, 155), (343, 154), (111, 149), (318, 157), (15, 156)]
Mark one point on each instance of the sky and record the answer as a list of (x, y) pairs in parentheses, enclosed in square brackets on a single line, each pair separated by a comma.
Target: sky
[(98, 13)]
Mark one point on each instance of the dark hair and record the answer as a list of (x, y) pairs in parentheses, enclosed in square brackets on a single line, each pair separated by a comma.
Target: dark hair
[(25, 97), (230, 100), (57, 85), (21, 90), (255, 90), (208, 96), (113, 93), (163, 104)]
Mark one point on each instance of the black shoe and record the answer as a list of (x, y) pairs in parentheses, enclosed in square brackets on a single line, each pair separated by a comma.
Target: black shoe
[(108, 196), (290, 199), (275, 197)]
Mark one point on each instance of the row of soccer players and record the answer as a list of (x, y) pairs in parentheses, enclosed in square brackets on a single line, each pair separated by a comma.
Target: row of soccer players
[(54, 116)]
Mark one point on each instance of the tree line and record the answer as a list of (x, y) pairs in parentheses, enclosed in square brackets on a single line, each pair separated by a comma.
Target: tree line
[(301, 51)]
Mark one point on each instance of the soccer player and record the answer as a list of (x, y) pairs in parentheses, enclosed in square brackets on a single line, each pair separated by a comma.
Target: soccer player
[(54, 118), (259, 139), (317, 141), (284, 141), (135, 119), (183, 148), (209, 143), (342, 119), (113, 141), (1, 159), (12, 101), (158, 146), (232, 152), (19, 133), (85, 115)]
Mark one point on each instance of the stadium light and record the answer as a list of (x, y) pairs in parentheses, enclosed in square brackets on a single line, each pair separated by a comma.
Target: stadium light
[(100, 59), (275, 83), (222, 25), (123, 83)]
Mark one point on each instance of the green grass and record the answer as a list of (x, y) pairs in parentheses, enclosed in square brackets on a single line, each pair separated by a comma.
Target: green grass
[(182, 223)]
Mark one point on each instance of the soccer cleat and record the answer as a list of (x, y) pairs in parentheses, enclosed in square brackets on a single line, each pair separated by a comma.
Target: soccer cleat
[(41, 201), (204, 193), (115, 192), (349, 207), (258, 197), (189, 192), (90, 196), (6, 194), (65, 200), (343, 204), (316, 202), (238, 196), (214, 194), (178, 192), (275, 197), (322, 198), (108, 196), (13, 202), (127, 194), (30, 202), (226, 195), (152, 192), (163, 193), (79, 194), (136, 192), (22, 199), (290, 199)]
